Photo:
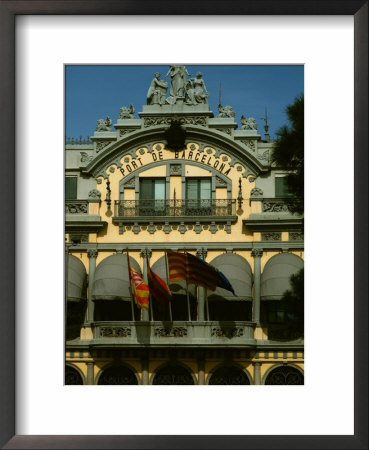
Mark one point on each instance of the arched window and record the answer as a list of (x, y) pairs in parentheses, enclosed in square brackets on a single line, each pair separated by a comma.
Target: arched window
[(173, 374), (72, 376), (229, 375), (285, 375), (117, 375)]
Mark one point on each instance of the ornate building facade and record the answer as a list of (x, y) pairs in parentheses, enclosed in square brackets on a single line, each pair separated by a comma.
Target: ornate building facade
[(176, 176)]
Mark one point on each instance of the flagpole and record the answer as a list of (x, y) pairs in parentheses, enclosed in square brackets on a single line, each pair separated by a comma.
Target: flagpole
[(167, 271), (130, 287)]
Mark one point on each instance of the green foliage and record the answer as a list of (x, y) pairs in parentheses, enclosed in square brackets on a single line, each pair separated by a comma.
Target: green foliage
[(294, 299), (288, 153)]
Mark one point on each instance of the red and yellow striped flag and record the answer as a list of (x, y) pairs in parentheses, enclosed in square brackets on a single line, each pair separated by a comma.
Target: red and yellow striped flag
[(141, 290)]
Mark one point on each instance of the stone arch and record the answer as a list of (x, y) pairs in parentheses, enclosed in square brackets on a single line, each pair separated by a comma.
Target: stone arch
[(229, 374), (147, 137), (73, 375), (173, 373), (117, 374), (284, 374)]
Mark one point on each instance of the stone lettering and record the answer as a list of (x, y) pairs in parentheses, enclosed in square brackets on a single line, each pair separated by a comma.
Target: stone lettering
[(129, 168), (154, 157), (134, 165), (189, 155), (160, 156), (197, 156)]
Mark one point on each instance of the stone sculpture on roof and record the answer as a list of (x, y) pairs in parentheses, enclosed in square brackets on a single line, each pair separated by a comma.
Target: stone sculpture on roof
[(104, 124), (157, 91), (225, 111), (248, 123), (196, 91), (127, 113)]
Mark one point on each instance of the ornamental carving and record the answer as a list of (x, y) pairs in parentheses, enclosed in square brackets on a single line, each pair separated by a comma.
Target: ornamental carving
[(191, 120), (176, 169), (85, 157), (229, 333), (264, 156), (182, 227), (115, 332), (146, 253), (94, 194), (131, 183), (92, 253), (270, 236), (256, 192), (225, 130), (76, 208), (257, 252), (124, 132), (274, 206), (100, 145), (170, 332), (295, 236)]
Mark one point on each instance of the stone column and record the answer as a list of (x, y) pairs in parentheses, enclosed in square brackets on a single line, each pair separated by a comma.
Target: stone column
[(257, 373), (257, 253), (201, 369), (92, 254), (90, 373), (201, 253), (145, 368), (146, 255)]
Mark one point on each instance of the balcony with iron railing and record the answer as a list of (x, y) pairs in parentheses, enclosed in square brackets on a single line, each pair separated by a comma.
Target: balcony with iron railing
[(212, 214)]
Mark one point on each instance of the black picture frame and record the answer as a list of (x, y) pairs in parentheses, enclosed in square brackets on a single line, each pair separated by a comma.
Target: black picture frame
[(8, 10)]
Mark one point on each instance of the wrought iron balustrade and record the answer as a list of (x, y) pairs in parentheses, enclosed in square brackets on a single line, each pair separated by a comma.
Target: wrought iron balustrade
[(174, 208)]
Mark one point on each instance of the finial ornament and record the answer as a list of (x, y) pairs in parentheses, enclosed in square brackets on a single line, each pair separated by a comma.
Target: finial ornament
[(104, 124)]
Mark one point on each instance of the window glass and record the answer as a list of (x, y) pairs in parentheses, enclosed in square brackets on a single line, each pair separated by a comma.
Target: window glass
[(198, 188), (152, 189), (281, 189), (70, 188)]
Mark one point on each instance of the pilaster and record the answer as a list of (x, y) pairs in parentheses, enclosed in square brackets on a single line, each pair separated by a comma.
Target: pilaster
[(257, 253), (92, 255)]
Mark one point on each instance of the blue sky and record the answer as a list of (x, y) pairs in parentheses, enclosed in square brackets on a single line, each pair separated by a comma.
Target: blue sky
[(95, 91)]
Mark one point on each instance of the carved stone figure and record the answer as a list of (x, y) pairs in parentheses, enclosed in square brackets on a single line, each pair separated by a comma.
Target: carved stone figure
[(177, 82), (225, 111), (196, 91), (104, 124), (248, 123), (126, 113), (157, 90)]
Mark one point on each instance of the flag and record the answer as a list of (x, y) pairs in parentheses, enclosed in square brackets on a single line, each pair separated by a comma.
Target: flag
[(141, 290), (177, 263), (158, 287), (184, 266)]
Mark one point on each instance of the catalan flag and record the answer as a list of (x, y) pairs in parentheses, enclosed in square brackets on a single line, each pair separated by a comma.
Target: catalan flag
[(141, 290), (158, 287), (184, 266)]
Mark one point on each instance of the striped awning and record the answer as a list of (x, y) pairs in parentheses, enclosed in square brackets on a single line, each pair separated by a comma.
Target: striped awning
[(238, 272), (275, 279), (76, 279), (111, 281)]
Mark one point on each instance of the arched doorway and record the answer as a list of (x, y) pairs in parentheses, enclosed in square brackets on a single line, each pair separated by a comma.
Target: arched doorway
[(72, 376), (229, 375), (284, 375), (173, 374), (117, 375)]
